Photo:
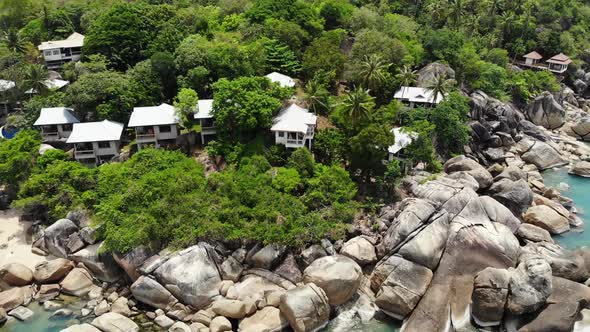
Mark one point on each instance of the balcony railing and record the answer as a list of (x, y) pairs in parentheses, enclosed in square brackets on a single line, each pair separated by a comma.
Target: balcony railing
[(84, 154), (145, 137)]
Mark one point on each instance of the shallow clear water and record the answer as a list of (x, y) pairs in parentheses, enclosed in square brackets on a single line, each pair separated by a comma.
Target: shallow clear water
[(40, 322), (579, 191)]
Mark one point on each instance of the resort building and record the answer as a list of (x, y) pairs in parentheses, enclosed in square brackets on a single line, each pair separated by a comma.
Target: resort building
[(52, 84), (96, 142), (5, 87), (294, 127), (154, 125), (56, 123), (416, 96), (58, 52), (283, 80), (205, 116), (557, 64), (402, 140)]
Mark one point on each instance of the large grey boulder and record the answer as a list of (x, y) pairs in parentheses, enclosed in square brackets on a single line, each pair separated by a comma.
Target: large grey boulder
[(131, 261), (515, 195), (267, 319), (52, 271), (306, 308), (235, 309), (56, 236), (267, 257), (114, 322), (338, 276), (289, 270), (427, 246), (78, 283), (545, 111), (579, 129), (543, 156), (15, 274), (14, 297), (312, 253), (414, 216), (581, 168), (149, 291), (531, 233), (499, 213), (81, 328), (403, 288), (530, 285), (470, 166), (429, 72), (231, 269), (191, 276), (547, 218), (359, 249), (99, 262), (490, 291), (564, 263)]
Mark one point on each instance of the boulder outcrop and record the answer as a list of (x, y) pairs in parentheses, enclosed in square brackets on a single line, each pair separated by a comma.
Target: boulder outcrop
[(306, 308), (191, 276), (338, 276)]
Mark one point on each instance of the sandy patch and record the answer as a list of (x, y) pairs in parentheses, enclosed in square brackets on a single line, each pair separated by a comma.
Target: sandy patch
[(14, 247)]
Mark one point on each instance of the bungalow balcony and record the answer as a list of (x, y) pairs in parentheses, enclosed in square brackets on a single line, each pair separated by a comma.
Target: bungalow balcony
[(554, 68), (50, 136), (84, 154)]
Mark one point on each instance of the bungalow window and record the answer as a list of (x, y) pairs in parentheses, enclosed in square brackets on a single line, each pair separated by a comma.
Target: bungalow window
[(55, 52), (67, 127), (47, 53), (281, 134), (165, 129), (104, 145)]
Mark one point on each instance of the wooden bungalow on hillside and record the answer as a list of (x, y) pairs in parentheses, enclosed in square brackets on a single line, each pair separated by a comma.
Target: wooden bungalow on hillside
[(294, 127), (283, 80), (205, 116), (557, 64), (96, 142), (56, 123), (417, 96), (154, 125), (57, 52)]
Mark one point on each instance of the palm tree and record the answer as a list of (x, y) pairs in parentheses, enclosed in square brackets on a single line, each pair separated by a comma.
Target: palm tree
[(406, 77), (13, 41), (440, 84), (456, 11), (372, 71), (315, 95), (35, 77), (358, 103)]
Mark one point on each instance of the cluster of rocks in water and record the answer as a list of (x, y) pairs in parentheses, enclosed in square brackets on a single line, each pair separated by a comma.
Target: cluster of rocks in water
[(465, 249)]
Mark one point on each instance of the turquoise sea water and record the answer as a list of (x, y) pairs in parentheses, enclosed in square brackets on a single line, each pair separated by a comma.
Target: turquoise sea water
[(579, 191)]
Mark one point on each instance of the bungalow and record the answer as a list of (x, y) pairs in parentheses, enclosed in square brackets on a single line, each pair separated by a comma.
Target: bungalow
[(294, 127), (5, 87), (154, 125), (417, 96), (56, 123), (96, 142), (58, 52), (52, 84), (557, 64), (402, 140), (532, 59), (205, 116), (283, 80)]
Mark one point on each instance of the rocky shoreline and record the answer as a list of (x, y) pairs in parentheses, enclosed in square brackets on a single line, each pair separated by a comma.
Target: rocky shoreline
[(466, 248)]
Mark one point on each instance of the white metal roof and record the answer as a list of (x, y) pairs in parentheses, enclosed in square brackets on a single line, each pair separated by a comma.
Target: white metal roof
[(417, 95), (6, 85), (283, 80), (51, 84), (163, 114), (74, 40), (293, 119), (55, 115), (402, 139), (96, 131), (204, 108)]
